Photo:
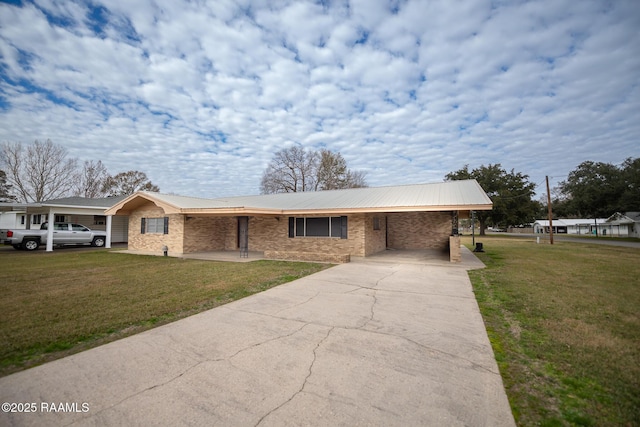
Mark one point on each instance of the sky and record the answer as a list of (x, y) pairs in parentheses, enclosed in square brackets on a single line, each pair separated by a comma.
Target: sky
[(199, 95)]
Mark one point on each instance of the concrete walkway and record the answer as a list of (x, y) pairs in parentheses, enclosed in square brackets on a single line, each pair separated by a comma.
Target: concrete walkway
[(392, 343)]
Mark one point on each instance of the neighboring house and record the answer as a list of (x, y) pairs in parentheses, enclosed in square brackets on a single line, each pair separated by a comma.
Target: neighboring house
[(13, 215), (317, 226), (627, 224), (602, 226), (80, 210)]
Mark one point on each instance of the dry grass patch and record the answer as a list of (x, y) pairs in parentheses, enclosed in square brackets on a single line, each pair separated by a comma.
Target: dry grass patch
[(565, 326), (55, 304)]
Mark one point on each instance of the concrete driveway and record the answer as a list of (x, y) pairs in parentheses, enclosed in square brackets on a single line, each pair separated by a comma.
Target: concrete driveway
[(389, 343)]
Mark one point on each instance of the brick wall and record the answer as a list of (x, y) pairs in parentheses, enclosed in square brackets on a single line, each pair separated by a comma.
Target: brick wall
[(203, 234), (268, 233), (308, 256), (411, 230), (419, 230), (375, 239), (155, 241)]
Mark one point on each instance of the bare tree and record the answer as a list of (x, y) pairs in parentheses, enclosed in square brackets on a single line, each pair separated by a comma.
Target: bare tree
[(356, 179), (41, 172), (295, 169), (5, 189), (92, 180), (291, 170), (128, 182)]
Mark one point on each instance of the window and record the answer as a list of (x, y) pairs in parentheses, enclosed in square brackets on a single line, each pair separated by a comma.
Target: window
[(78, 227), (60, 218), (335, 226), (155, 225), (21, 219), (376, 223), (37, 219), (99, 219), (317, 227)]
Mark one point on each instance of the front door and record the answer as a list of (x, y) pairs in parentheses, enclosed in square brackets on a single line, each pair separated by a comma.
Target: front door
[(243, 235)]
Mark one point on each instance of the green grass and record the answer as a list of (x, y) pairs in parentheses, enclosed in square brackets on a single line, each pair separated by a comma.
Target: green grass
[(564, 322), (56, 304)]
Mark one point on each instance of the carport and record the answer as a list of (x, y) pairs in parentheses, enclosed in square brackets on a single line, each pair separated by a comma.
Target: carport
[(70, 209)]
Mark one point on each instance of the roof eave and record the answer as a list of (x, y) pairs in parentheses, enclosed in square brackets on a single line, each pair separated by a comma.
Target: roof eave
[(389, 209), (239, 210), (262, 211)]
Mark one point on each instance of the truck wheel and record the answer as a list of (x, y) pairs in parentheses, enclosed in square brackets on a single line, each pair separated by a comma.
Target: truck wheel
[(30, 245), (98, 242)]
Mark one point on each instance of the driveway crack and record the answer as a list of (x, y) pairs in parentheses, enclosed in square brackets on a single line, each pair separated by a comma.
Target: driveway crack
[(298, 304), (279, 337), (375, 289), (304, 383), (474, 365), (198, 363)]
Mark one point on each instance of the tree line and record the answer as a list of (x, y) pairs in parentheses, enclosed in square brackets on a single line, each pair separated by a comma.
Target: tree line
[(593, 189), (596, 189), (44, 171)]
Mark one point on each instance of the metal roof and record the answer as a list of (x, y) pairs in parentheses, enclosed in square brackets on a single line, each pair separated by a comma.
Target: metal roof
[(104, 202), (66, 203), (570, 222), (450, 195)]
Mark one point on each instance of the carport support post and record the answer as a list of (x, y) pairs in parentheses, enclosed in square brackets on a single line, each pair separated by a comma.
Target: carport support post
[(454, 240), (50, 230), (107, 243)]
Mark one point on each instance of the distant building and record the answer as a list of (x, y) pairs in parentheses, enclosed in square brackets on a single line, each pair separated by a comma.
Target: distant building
[(617, 225), (629, 220)]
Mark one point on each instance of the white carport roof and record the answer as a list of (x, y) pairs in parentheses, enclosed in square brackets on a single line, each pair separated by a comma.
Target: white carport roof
[(67, 205), (444, 196)]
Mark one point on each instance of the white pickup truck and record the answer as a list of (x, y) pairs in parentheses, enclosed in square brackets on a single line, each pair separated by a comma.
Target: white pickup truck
[(64, 233)]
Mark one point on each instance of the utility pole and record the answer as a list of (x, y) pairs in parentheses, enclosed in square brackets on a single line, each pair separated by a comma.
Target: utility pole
[(550, 213)]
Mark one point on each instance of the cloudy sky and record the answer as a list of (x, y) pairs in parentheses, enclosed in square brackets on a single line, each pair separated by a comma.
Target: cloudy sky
[(200, 94)]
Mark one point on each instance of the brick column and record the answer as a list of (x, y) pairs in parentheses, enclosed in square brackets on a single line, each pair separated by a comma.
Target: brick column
[(455, 255)]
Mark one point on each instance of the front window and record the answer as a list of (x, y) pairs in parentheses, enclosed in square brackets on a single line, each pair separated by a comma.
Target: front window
[(334, 226), (155, 225)]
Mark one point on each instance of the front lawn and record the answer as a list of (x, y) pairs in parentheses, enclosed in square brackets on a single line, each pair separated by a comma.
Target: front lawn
[(564, 322), (56, 304)]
